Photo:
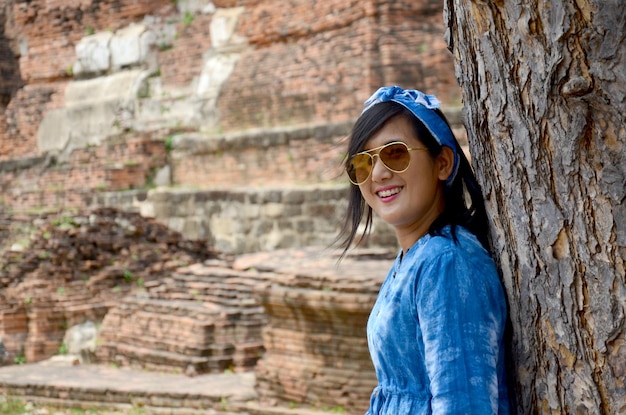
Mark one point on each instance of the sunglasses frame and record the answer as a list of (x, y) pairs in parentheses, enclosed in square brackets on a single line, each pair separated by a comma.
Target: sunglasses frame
[(377, 154)]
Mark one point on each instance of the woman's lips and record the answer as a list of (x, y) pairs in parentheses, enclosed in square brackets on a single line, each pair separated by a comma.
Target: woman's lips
[(388, 192)]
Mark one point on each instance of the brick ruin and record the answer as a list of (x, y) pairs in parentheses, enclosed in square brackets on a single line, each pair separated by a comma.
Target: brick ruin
[(201, 319), (77, 267), (315, 340), (223, 120), (295, 317), (178, 77)]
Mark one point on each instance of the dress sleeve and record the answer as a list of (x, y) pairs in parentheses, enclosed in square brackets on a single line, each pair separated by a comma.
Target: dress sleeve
[(461, 318)]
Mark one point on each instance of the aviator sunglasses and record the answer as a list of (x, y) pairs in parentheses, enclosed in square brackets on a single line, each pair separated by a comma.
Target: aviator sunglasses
[(395, 156)]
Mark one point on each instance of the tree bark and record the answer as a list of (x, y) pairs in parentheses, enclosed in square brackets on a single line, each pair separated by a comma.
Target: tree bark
[(545, 109)]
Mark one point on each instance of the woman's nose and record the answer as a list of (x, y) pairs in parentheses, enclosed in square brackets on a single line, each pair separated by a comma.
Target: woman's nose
[(380, 172)]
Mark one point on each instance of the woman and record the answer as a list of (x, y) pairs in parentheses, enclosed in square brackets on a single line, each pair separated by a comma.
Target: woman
[(435, 333)]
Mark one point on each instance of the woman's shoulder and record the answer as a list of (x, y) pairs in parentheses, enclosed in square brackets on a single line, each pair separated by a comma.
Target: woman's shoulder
[(454, 256), (457, 266), (457, 241)]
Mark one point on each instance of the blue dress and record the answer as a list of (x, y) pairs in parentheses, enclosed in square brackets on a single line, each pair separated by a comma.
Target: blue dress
[(435, 333)]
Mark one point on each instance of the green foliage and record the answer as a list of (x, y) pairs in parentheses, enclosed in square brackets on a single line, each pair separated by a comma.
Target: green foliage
[(11, 406), (187, 19), (15, 406), (20, 359), (164, 109), (223, 403), (128, 275), (64, 222), (63, 349), (67, 222), (164, 46), (339, 409), (44, 254), (169, 143)]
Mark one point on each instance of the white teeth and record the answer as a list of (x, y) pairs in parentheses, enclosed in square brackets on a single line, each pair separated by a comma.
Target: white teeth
[(389, 192)]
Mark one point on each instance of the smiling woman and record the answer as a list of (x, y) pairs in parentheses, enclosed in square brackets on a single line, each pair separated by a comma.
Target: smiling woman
[(436, 331)]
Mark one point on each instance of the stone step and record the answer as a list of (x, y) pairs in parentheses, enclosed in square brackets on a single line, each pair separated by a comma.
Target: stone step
[(122, 390), (132, 355), (255, 408), (96, 386)]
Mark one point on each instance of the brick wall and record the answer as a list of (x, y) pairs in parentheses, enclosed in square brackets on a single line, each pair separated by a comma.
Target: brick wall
[(321, 66), (181, 61), (23, 116), (307, 67), (272, 157), (413, 52), (47, 32), (300, 68), (121, 163), (253, 219), (51, 28), (281, 156)]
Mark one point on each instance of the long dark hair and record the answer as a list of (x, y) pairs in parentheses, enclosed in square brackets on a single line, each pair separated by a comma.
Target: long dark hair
[(457, 212)]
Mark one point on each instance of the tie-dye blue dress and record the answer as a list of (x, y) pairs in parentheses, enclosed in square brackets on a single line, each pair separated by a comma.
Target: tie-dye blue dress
[(435, 333)]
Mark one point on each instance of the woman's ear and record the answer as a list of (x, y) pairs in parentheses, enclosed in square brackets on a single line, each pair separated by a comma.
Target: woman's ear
[(445, 161)]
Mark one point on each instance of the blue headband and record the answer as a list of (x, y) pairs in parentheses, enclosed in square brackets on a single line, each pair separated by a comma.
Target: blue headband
[(422, 106)]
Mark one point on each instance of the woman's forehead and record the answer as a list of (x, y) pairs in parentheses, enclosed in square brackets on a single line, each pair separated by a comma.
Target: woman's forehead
[(395, 129)]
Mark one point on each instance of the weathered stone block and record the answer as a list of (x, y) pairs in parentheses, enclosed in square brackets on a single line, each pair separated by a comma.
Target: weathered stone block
[(223, 27), (273, 210), (130, 46), (95, 109), (93, 54)]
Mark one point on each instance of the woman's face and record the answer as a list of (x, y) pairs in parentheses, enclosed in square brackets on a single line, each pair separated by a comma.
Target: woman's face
[(409, 201)]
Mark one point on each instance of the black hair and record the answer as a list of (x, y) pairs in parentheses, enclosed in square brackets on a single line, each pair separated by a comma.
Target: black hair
[(456, 212)]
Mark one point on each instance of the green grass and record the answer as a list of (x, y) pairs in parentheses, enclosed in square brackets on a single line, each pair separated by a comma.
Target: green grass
[(11, 406), (15, 406)]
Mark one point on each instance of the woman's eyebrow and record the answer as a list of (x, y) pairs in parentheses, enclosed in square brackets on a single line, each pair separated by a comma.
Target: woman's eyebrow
[(395, 140)]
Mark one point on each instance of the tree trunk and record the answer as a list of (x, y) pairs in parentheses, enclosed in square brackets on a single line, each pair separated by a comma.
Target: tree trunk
[(543, 84)]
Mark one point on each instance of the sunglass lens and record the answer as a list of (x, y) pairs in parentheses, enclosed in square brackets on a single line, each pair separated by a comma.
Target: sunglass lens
[(395, 156), (360, 168)]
